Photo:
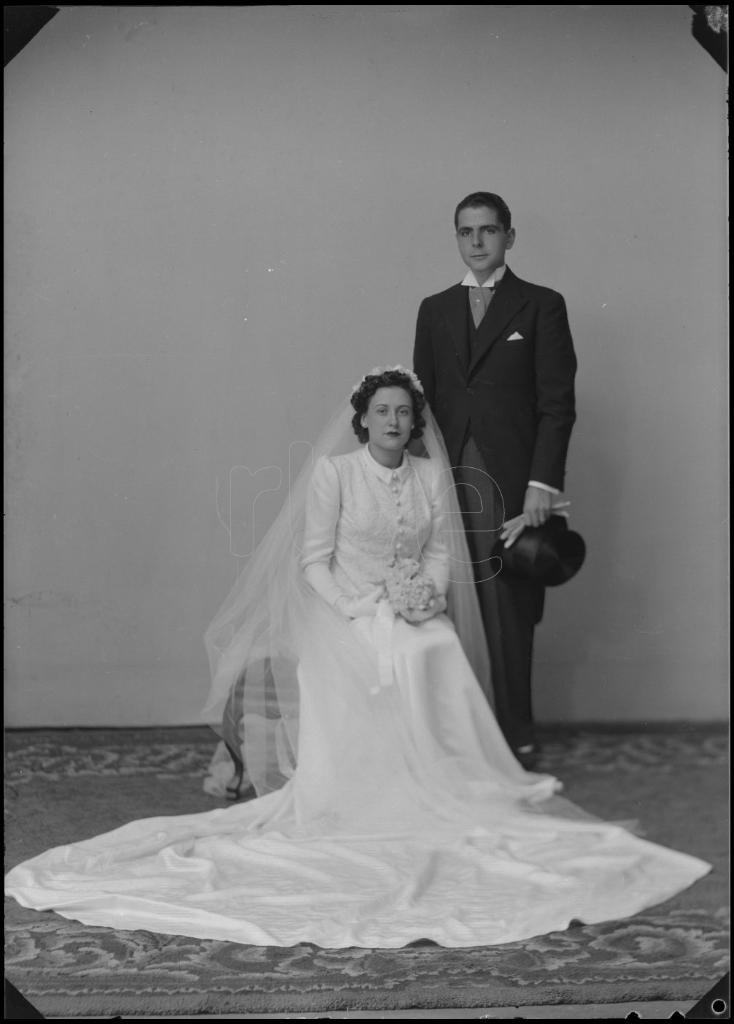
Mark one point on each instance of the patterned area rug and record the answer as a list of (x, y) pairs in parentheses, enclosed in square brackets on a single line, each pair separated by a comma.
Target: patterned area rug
[(63, 785)]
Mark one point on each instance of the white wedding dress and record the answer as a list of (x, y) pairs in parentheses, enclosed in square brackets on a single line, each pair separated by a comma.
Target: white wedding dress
[(407, 816)]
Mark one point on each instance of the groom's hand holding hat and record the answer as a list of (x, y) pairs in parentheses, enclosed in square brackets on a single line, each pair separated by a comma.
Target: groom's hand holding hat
[(549, 554)]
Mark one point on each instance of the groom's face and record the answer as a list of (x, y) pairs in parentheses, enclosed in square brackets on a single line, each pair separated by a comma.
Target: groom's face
[(482, 240)]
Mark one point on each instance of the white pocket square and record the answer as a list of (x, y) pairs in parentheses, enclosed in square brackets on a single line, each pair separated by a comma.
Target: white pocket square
[(515, 336)]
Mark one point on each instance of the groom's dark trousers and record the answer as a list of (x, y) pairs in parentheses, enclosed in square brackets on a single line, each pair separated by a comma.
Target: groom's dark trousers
[(503, 397)]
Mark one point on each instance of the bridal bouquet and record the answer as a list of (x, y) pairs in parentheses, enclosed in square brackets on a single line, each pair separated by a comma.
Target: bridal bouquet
[(408, 588)]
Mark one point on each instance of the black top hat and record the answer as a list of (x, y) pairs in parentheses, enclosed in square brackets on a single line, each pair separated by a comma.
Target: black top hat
[(549, 554)]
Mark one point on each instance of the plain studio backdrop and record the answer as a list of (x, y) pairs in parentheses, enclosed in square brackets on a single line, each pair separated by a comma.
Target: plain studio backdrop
[(219, 218)]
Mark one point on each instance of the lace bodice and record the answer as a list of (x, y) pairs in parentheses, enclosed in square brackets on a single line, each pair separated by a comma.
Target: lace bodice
[(360, 516)]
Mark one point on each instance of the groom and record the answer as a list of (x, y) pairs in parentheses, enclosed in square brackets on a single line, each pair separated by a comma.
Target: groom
[(496, 359)]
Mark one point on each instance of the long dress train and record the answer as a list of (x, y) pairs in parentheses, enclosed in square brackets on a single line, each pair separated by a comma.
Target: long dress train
[(407, 816)]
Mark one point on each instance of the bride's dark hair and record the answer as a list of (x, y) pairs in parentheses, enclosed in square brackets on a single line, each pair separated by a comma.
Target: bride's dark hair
[(387, 379)]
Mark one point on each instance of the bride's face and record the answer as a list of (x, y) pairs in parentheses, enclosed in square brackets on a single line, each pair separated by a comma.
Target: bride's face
[(389, 419)]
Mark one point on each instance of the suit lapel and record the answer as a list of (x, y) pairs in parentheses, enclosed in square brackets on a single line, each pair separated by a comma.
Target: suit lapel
[(508, 300), (455, 309)]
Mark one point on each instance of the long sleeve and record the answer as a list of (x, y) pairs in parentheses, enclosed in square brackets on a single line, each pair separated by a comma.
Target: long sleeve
[(555, 369), (435, 553), (323, 504)]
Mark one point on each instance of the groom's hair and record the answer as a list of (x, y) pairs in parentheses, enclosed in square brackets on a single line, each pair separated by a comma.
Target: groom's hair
[(490, 199), (388, 379)]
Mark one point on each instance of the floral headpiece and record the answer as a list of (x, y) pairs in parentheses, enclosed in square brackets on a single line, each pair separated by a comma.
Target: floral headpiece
[(376, 371)]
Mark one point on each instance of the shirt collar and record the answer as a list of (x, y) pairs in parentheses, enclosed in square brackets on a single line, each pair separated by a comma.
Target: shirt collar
[(470, 280), (384, 472)]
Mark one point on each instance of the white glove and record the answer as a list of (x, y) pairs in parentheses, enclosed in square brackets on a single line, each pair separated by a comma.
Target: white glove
[(356, 607)]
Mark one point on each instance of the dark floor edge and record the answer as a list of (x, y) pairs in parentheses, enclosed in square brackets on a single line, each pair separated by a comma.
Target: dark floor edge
[(544, 728)]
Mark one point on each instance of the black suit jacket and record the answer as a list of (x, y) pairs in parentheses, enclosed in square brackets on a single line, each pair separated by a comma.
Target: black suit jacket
[(513, 395)]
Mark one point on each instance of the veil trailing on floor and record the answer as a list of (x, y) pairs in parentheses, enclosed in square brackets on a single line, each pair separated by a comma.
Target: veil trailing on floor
[(271, 616), (408, 817)]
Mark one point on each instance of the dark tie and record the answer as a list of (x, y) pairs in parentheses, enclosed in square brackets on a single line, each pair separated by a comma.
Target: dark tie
[(479, 300)]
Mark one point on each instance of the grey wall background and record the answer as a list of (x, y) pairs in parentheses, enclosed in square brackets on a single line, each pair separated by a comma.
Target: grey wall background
[(217, 219)]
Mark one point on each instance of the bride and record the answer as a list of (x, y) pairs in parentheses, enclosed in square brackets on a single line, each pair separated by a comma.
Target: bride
[(389, 807)]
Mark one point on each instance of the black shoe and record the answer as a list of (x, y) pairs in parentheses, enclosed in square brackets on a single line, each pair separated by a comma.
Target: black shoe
[(527, 755)]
